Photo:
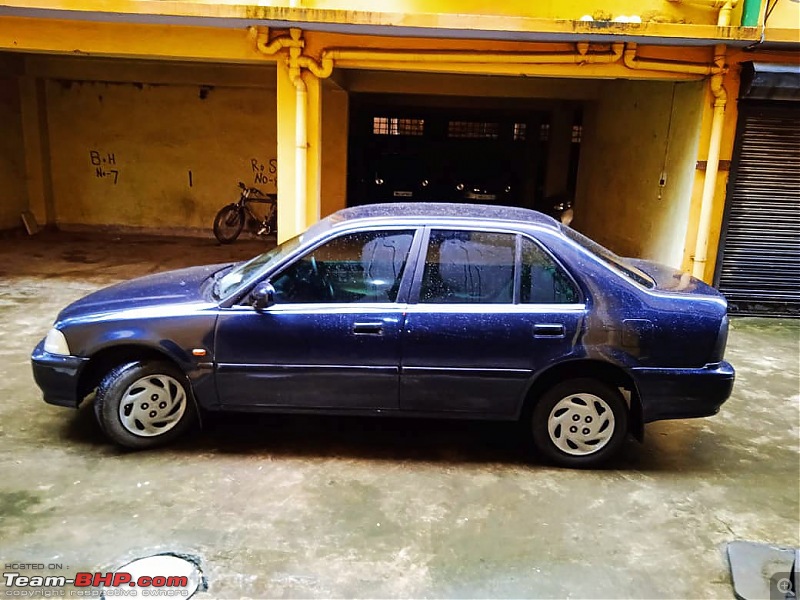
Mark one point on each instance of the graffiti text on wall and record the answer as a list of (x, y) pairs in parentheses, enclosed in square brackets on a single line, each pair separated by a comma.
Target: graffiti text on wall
[(100, 162), (264, 174)]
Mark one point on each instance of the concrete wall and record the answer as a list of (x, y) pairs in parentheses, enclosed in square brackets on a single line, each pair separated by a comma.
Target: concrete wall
[(155, 156), (13, 193), (634, 133)]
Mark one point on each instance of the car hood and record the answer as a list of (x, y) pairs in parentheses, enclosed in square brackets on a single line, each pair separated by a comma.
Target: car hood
[(670, 279), (170, 287)]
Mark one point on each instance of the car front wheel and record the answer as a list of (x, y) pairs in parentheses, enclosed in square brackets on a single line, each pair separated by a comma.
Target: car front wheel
[(144, 404), (580, 423)]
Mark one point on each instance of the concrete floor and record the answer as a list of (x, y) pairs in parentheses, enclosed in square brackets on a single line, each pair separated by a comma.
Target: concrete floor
[(321, 507)]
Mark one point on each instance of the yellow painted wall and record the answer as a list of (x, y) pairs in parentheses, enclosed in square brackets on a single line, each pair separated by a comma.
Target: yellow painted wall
[(626, 145), (13, 193), (476, 86), (783, 23), (652, 10), (122, 153)]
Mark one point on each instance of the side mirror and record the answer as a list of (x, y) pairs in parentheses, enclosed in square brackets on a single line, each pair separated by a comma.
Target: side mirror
[(263, 295)]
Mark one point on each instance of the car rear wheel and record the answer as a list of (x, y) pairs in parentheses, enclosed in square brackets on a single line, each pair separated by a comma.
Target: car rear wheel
[(144, 404), (580, 423)]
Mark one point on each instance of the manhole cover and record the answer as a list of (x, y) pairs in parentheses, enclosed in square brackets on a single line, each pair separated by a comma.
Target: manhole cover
[(162, 574)]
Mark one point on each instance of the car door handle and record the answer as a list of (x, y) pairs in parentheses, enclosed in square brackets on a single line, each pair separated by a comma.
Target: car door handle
[(548, 330), (368, 328)]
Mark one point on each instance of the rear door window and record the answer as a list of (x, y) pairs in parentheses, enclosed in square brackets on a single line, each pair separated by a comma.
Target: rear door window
[(469, 267)]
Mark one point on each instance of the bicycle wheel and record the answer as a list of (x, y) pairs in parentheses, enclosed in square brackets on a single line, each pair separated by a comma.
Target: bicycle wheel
[(228, 223)]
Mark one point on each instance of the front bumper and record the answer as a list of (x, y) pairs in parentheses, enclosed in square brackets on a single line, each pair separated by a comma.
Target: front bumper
[(683, 393), (57, 376)]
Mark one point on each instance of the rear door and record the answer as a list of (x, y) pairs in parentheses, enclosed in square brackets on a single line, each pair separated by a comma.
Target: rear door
[(489, 308)]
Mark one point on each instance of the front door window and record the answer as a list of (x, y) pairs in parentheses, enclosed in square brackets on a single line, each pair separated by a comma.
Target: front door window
[(355, 267)]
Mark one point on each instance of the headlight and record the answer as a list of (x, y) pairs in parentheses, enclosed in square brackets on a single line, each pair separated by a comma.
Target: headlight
[(56, 343)]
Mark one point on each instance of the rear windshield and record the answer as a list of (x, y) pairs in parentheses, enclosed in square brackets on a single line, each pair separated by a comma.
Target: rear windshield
[(608, 257)]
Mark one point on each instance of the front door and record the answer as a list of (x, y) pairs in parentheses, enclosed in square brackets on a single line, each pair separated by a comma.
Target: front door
[(491, 309), (332, 338)]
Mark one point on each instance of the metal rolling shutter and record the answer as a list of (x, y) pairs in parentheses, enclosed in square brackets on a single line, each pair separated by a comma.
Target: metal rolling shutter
[(760, 268)]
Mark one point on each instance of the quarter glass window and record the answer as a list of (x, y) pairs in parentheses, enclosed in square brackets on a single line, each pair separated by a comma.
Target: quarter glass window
[(542, 281)]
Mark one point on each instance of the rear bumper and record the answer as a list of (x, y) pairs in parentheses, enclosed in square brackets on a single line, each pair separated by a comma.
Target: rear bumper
[(683, 393), (57, 376)]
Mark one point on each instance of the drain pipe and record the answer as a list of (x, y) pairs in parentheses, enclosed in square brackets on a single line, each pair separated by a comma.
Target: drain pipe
[(296, 63), (712, 165), (439, 57), (632, 61), (300, 134)]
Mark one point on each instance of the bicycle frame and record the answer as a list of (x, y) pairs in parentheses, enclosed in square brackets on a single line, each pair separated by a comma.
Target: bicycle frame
[(254, 195)]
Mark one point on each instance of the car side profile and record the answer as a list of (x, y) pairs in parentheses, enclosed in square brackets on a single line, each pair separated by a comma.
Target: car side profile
[(410, 309)]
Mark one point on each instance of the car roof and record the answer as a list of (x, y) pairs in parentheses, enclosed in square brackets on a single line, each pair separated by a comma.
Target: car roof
[(430, 212)]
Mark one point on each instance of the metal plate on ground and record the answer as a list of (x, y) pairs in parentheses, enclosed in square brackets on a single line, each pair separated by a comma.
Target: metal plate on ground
[(163, 574), (761, 571)]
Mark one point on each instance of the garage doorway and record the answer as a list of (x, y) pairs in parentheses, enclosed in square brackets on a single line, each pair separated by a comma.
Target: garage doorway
[(417, 153)]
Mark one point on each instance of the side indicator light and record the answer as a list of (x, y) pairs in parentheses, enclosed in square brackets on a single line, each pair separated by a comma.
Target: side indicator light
[(199, 352)]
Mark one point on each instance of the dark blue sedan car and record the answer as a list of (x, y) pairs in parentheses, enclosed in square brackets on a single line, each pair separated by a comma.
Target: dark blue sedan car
[(434, 310)]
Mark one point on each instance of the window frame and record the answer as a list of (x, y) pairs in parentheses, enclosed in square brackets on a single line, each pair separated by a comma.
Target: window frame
[(422, 254), (406, 278)]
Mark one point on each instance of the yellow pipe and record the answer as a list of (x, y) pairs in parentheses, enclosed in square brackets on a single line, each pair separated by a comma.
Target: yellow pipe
[(321, 70), (712, 166), (724, 18), (265, 46), (300, 130), (581, 56), (631, 61)]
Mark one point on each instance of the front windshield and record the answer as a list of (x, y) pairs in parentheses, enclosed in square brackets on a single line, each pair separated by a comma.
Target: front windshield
[(609, 257), (244, 273)]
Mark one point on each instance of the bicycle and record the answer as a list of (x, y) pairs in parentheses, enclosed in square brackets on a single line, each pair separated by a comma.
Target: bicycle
[(232, 218)]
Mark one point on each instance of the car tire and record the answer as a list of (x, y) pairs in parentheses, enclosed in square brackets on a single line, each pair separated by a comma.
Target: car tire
[(144, 404), (580, 423)]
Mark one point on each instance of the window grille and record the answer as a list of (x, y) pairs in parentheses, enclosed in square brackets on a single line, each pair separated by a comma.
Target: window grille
[(397, 126), (473, 130)]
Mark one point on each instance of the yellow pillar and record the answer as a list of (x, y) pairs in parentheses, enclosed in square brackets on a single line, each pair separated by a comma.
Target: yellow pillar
[(286, 111), (293, 216)]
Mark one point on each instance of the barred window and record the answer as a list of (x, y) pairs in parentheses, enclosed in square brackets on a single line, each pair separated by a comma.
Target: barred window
[(520, 129), (473, 130), (544, 132), (397, 126)]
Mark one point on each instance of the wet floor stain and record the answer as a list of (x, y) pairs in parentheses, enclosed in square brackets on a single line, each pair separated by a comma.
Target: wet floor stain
[(16, 504)]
